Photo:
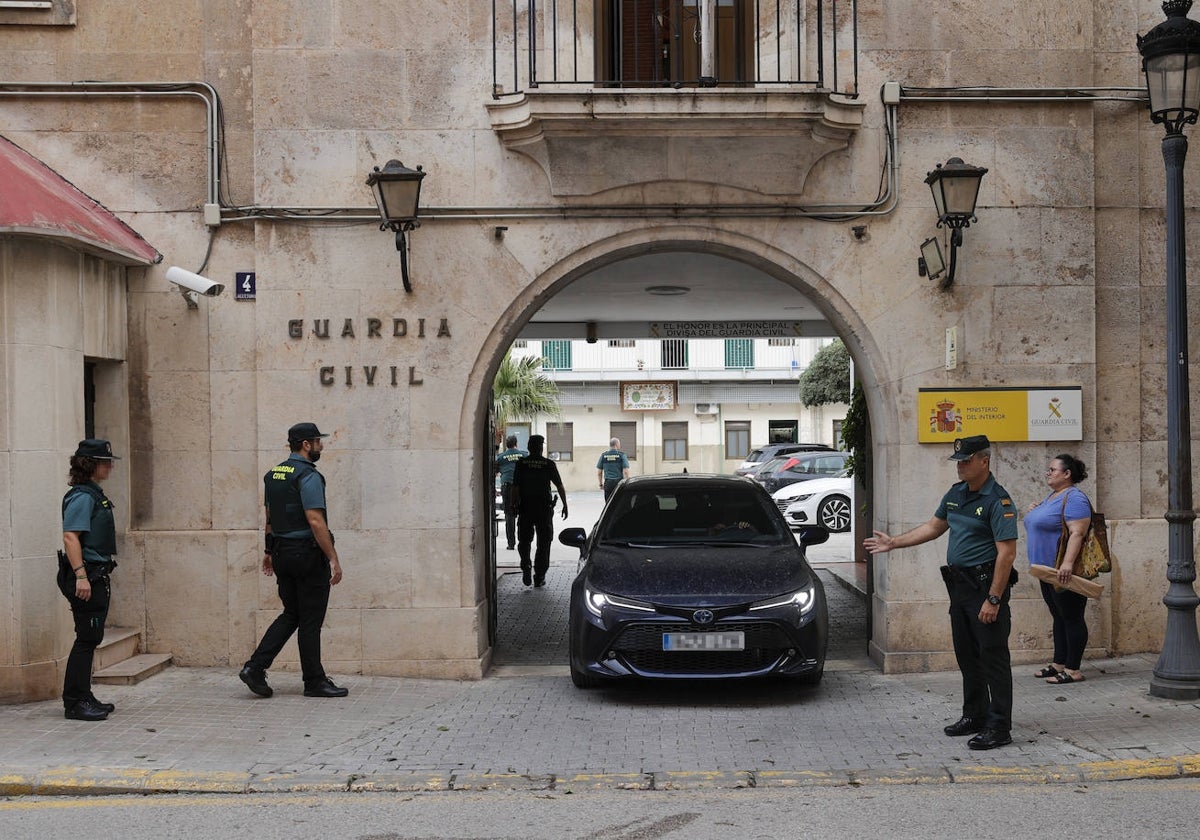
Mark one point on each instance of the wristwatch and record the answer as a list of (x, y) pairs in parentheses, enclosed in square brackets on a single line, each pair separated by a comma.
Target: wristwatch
[(994, 600)]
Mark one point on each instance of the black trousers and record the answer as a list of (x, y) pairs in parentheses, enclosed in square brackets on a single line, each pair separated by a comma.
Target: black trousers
[(610, 484), (541, 524), (1070, 628), (510, 514), (302, 575), (89, 616), (982, 654)]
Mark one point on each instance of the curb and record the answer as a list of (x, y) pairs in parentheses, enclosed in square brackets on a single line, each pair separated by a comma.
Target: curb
[(87, 781)]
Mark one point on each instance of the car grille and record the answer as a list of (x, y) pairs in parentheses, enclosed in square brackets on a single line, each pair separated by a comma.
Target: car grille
[(783, 504), (640, 646)]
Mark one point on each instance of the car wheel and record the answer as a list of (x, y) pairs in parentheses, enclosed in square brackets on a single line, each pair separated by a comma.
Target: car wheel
[(834, 514), (582, 679)]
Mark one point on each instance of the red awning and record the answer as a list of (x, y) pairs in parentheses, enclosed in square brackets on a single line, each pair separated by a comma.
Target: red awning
[(37, 201)]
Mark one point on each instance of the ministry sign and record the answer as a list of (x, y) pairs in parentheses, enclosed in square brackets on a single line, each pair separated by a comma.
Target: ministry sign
[(1017, 414)]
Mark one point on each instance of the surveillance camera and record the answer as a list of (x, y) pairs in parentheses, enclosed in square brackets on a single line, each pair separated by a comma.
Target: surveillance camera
[(189, 282)]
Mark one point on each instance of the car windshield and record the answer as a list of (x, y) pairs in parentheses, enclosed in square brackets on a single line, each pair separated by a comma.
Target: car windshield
[(709, 515)]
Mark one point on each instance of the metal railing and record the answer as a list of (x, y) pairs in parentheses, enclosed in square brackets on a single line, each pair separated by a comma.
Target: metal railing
[(662, 44)]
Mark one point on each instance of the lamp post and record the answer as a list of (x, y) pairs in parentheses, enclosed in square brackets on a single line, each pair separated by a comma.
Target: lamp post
[(1171, 60), (955, 189), (397, 191)]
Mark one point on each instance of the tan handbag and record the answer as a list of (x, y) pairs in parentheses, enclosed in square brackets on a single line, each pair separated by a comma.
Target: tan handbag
[(1095, 557)]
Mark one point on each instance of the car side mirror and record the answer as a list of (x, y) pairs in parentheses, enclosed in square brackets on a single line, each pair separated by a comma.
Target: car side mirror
[(813, 535), (576, 537)]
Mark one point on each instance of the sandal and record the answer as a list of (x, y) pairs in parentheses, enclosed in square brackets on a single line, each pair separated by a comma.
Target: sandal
[(1049, 671), (1063, 678)]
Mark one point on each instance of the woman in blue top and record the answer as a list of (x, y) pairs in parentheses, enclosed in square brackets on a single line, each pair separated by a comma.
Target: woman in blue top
[(1043, 526)]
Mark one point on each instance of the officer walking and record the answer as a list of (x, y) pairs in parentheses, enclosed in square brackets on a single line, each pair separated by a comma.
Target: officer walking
[(535, 506), (982, 522), (612, 467), (506, 462), (300, 553)]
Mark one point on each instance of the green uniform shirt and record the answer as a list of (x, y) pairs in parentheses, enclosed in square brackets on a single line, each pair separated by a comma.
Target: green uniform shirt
[(977, 522), (614, 463), (506, 462)]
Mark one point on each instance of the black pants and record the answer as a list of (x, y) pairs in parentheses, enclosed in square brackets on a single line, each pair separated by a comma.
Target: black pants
[(1070, 629), (542, 524), (982, 653), (302, 575), (510, 515), (610, 484), (89, 616)]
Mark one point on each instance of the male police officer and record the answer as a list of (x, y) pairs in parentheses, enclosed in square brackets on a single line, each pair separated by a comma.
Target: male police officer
[(506, 462), (612, 467), (531, 498), (300, 553), (982, 522)]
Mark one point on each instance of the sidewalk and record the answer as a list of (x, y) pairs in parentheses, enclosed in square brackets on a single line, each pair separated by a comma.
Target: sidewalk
[(198, 729), (525, 727)]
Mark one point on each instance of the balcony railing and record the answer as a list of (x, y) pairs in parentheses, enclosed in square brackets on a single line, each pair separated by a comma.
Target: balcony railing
[(669, 44)]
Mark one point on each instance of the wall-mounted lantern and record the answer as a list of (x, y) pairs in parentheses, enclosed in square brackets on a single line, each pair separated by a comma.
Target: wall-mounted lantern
[(397, 191), (955, 188)]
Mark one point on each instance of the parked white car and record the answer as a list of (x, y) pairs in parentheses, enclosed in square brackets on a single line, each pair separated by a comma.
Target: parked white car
[(823, 501)]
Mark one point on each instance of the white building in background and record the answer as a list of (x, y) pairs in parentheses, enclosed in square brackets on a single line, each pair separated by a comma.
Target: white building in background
[(714, 400)]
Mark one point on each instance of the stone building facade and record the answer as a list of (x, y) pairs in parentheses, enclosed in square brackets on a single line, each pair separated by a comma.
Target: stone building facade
[(235, 137)]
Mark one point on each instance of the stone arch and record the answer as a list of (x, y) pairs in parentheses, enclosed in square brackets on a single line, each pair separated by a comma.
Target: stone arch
[(559, 274)]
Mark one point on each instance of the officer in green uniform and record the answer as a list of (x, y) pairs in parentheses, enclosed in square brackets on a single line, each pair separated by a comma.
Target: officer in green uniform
[(982, 521), (300, 553), (506, 463), (89, 543), (535, 506), (612, 467)]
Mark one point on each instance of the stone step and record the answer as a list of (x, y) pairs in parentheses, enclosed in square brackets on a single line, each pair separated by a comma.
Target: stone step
[(119, 643), (133, 670)]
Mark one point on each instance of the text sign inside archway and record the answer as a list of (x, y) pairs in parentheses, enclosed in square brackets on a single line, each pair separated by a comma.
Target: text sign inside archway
[(1015, 414), (727, 329)]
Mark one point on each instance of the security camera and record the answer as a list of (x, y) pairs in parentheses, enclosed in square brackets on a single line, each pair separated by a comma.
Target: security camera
[(190, 282)]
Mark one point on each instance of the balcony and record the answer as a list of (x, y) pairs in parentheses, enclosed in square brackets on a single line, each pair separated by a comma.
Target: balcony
[(606, 94)]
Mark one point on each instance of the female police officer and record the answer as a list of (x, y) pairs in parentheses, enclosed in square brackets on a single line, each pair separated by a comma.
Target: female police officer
[(90, 541)]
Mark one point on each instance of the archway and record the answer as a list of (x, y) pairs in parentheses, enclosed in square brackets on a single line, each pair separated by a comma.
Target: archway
[(600, 294)]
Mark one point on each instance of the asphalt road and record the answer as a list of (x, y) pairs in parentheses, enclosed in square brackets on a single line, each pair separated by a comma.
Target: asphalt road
[(1107, 810)]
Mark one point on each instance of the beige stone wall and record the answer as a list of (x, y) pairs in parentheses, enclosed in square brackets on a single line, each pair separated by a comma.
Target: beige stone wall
[(1060, 282)]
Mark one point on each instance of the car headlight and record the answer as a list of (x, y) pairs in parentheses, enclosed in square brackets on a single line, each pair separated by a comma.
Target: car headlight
[(596, 601), (805, 497), (803, 598)]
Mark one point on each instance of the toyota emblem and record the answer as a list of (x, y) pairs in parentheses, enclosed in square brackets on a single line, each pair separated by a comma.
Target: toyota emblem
[(703, 617)]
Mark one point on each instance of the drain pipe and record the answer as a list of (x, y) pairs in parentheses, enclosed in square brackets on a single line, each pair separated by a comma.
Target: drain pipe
[(200, 90)]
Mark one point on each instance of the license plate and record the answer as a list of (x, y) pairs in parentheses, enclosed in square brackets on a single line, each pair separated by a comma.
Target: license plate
[(704, 641)]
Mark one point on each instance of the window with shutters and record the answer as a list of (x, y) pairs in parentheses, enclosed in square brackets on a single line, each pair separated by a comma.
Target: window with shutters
[(739, 353), (557, 355), (627, 432), (737, 439), (675, 446), (560, 441)]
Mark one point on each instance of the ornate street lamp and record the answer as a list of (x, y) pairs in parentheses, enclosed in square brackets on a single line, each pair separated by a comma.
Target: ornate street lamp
[(1171, 59), (397, 191), (955, 189)]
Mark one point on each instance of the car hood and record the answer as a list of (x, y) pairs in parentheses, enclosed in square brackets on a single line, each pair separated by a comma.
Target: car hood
[(697, 575), (813, 485)]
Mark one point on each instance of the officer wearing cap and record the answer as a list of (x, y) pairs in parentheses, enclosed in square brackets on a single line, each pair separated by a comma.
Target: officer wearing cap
[(532, 478), (300, 553), (982, 521), (89, 543)]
